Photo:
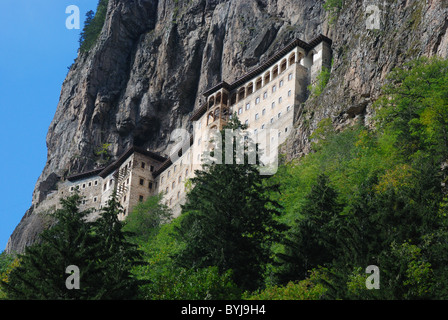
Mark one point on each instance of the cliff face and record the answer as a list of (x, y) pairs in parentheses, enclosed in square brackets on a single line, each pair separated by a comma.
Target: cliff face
[(153, 60)]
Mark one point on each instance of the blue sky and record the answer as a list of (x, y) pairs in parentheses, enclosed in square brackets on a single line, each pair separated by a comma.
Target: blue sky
[(35, 50)]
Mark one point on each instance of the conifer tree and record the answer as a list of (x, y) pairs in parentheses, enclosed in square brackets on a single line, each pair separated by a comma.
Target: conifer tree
[(230, 220), (98, 249), (116, 255), (312, 240), (42, 271)]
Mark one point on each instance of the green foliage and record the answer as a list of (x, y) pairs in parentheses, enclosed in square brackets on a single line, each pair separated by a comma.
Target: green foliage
[(165, 280), (98, 249), (193, 284), (103, 153), (362, 197), (333, 7), (414, 109), (147, 217), (321, 82), (308, 289), (230, 220), (7, 264), (5, 261), (311, 242), (389, 205), (92, 26)]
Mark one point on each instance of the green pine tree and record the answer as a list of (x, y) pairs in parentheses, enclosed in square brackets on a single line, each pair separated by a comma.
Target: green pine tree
[(116, 255), (41, 274), (98, 249), (310, 243), (230, 221)]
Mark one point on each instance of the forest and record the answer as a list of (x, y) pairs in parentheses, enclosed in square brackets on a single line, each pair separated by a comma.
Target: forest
[(365, 196)]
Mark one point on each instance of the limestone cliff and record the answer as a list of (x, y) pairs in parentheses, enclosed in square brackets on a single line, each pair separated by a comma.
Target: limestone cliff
[(153, 59)]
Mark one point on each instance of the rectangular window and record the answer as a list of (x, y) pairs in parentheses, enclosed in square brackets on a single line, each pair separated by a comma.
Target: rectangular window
[(257, 116), (257, 100), (274, 88), (246, 122), (279, 115), (263, 112), (289, 93), (280, 100), (290, 76), (272, 105), (265, 95), (281, 83), (142, 182), (140, 198), (288, 108), (240, 110), (143, 165), (247, 106)]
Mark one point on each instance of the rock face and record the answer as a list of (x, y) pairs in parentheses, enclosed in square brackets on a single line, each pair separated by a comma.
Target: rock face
[(153, 60)]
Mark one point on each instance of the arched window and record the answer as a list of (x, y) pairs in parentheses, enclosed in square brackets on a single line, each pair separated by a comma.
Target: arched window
[(218, 98), (241, 94), (211, 102), (275, 72), (283, 65), (225, 98), (258, 83), (233, 99), (267, 77), (292, 58), (250, 88)]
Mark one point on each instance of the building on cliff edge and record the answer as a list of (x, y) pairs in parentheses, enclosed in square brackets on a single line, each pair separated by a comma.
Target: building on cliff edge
[(266, 99)]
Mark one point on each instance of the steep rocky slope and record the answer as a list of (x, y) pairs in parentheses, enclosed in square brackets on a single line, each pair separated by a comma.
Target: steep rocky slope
[(154, 58)]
